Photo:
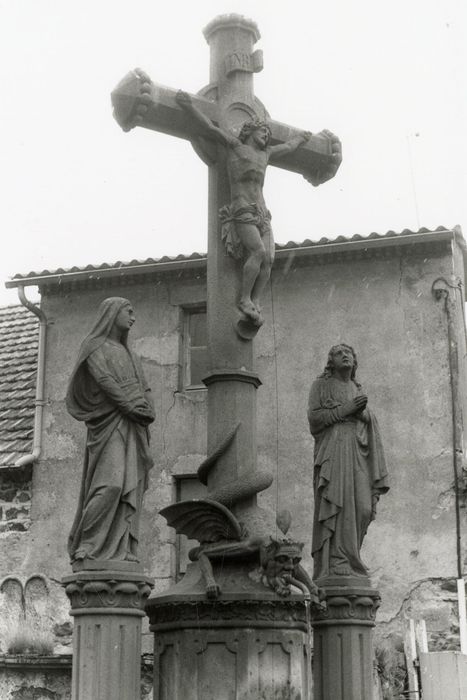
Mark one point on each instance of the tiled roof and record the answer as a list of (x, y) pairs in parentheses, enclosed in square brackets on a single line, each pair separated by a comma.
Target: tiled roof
[(18, 367), (199, 259)]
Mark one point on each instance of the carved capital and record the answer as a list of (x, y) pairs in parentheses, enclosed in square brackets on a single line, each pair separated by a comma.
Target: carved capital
[(101, 592), (348, 605), (197, 614)]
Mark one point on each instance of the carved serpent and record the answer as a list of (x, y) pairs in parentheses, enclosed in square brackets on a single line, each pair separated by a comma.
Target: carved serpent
[(237, 489)]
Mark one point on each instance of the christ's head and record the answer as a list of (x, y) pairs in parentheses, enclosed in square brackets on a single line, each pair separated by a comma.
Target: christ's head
[(258, 130)]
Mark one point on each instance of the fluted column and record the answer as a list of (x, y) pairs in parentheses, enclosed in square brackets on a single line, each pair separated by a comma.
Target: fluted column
[(108, 610), (343, 643)]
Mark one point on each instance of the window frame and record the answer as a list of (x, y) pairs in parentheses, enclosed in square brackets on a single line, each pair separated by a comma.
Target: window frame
[(188, 310)]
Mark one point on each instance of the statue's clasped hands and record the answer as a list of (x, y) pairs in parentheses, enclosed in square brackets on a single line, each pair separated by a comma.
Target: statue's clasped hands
[(356, 405), (142, 412)]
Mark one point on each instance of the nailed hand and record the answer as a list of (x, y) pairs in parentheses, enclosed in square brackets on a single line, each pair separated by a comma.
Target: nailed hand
[(183, 99)]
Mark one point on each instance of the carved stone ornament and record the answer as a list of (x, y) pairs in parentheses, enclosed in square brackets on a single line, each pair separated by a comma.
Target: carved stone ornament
[(244, 62), (249, 663), (356, 605), (229, 613), (281, 559), (246, 224), (92, 591)]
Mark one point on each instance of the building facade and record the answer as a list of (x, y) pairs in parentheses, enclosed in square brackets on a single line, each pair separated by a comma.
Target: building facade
[(378, 294)]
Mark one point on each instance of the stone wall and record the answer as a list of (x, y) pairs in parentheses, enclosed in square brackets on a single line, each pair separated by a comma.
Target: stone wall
[(29, 678), (379, 301), (49, 678), (15, 499)]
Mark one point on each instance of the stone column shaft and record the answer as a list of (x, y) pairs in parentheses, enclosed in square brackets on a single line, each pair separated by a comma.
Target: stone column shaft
[(232, 402), (343, 654), (107, 607)]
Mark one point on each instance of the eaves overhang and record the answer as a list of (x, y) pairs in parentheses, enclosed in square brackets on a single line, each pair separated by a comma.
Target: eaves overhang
[(355, 246)]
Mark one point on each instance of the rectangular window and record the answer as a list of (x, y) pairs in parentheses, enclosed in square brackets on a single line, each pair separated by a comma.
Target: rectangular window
[(195, 350), (186, 488)]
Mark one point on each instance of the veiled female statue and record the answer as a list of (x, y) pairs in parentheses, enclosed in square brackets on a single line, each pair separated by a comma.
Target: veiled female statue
[(349, 467), (108, 391)]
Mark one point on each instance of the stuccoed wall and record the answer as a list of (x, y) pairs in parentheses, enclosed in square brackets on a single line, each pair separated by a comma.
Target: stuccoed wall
[(381, 305)]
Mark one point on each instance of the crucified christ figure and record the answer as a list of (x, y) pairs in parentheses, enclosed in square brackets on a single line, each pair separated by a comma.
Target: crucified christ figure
[(246, 222)]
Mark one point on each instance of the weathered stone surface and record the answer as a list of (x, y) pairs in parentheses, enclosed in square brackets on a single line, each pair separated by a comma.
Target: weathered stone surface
[(343, 653), (13, 513), (349, 465), (49, 678), (24, 496), (234, 119), (65, 629), (241, 645), (8, 493), (386, 286), (245, 663), (13, 526), (417, 452), (15, 497), (25, 603), (107, 611), (108, 380)]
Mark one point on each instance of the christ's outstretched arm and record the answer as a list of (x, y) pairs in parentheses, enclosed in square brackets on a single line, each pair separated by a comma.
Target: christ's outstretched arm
[(289, 146), (221, 135)]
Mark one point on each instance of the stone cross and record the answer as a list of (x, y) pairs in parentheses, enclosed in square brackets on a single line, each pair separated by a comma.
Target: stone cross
[(226, 103)]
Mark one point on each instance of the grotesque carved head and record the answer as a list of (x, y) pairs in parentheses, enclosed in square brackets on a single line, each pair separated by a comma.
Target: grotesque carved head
[(280, 560)]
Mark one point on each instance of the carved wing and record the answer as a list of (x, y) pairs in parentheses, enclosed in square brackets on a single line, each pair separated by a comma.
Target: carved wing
[(203, 520)]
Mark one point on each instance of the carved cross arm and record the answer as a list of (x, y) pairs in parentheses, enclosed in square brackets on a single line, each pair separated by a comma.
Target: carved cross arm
[(137, 101)]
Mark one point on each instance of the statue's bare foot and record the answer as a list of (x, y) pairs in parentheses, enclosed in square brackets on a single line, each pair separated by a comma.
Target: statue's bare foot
[(213, 591), (131, 557), (341, 570), (249, 309), (79, 555)]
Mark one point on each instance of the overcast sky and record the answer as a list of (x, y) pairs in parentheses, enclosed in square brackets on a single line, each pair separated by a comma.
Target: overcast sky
[(388, 77)]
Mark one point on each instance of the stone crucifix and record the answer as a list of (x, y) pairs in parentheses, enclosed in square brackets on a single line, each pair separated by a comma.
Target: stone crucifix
[(231, 131)]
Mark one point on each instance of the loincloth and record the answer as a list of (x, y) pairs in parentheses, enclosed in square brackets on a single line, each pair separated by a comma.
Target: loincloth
[(253, 214)]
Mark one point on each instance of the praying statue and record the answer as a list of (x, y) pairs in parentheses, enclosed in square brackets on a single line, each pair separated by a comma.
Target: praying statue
[(349, 467), (108, 391), (246, 222)]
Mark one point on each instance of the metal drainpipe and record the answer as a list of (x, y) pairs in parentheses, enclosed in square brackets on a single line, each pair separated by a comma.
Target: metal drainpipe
[(443, 292), (40, 401)]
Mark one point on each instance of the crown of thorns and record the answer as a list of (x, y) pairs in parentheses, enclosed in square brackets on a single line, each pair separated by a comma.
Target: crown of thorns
[(251, 126)]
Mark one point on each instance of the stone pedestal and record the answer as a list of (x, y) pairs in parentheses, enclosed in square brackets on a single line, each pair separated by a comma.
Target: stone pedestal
[(248, 644), (343, 654), (108, 609)]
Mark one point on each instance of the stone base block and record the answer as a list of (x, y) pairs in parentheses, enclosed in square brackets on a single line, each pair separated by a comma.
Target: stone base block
[(107, 607), (247, 645), (231, 664)]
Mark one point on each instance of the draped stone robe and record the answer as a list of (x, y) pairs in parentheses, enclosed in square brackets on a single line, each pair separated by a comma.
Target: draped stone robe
[(105, 385), (349, 475)]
